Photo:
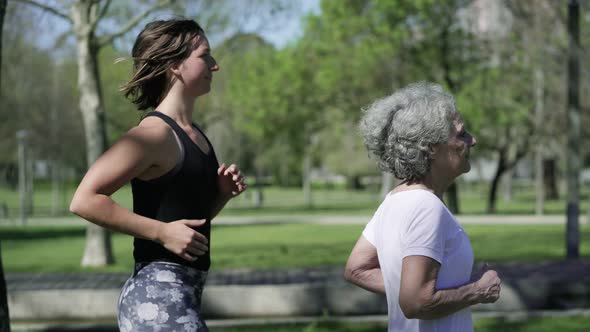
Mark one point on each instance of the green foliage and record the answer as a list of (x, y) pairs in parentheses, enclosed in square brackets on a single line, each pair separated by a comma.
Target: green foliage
[(121, 114), (38, 96)]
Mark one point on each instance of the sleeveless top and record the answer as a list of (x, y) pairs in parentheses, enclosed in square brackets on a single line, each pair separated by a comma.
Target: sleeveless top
[(186, 192)]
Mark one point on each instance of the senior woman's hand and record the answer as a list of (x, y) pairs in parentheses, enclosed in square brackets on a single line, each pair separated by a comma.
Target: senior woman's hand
[(488, 287)]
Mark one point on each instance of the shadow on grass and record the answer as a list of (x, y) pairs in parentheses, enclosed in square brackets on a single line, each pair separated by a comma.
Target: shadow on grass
[(69, 328), (24, 233), (307, 327)]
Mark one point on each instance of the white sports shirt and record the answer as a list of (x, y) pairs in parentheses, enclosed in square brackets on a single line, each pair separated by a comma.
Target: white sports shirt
[(416, 222)]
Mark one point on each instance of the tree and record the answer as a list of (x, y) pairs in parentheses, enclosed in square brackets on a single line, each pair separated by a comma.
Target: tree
[(363, 52), (85, 18), (257, 110), (447, 43), (573, 137), (499, 111), (343, 151), (545, 53), (4, 314)]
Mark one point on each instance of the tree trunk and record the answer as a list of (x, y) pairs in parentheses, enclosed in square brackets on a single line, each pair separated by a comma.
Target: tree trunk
[(98, 251), (56, 188), (30, 184), (354, 182), (573, 133), (491, 208), (539, 169), (307, 199), (21, 138), (4, 315), (507, 185), (56, 181), (539, 185), (453, 198), (550, 179)]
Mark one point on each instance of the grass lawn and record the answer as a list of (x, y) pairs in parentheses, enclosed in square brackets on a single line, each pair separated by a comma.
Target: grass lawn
[(59, 248), (279, 200), (548, 324), (562, 324)]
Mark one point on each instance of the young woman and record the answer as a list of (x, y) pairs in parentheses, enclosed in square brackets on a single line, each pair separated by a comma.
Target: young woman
[(178, 186)]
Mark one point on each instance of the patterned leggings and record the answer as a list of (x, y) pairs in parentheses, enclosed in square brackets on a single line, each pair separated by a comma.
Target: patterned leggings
[(162, 296)]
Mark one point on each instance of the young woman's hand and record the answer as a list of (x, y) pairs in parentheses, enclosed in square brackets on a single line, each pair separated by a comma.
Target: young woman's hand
[(230, 180), (179, 238)]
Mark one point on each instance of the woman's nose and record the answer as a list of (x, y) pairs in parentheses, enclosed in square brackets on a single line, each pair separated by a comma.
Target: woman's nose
[(213, 65)]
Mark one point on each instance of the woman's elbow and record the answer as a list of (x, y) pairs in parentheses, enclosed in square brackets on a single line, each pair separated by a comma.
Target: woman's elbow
[(415, 308), (349, 273), (410, 310), (76, 206), (353, 271), (79, 204)]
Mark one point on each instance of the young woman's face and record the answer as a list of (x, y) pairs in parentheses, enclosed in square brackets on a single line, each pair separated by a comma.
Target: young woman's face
[(196, 71)]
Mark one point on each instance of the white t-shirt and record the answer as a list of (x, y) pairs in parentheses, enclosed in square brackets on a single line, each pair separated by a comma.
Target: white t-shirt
[(416, 222)]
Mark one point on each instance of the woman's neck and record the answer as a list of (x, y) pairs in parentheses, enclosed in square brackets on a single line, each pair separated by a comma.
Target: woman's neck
[(178, 107), (429, 183)]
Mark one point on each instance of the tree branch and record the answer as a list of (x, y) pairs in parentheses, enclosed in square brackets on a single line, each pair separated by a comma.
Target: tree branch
[(46, 8), (101, 14), (133, 22)]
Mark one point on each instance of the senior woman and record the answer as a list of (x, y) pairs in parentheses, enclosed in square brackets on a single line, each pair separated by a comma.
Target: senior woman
[(413, 249)]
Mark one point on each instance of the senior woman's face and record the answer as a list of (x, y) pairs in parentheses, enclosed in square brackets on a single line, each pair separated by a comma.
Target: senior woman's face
[(453, 156)]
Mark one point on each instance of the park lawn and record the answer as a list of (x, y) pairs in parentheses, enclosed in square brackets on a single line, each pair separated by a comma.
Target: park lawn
[(548, 324), (277, 200), (281, 200), (59, 248)]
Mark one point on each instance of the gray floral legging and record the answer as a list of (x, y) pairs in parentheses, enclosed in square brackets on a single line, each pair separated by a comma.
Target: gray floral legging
[(162, 296)]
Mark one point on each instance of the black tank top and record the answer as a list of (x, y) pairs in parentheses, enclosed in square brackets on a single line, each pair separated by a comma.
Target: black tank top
[(186, 192)]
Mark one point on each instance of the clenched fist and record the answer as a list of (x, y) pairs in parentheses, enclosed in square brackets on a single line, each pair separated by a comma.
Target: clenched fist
[(488, 287)]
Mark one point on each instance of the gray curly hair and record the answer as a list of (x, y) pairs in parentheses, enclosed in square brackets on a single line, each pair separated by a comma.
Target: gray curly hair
[(400, 129)]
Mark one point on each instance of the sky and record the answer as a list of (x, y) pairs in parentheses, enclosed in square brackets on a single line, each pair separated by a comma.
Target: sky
[(278, 33), (289, 28)]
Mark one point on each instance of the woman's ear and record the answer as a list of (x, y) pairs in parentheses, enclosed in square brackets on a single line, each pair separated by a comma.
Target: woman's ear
[(175, 69), (433, 150)]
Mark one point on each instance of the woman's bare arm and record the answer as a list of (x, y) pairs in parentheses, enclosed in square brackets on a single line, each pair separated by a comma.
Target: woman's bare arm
[(362, 267), (420, 299)]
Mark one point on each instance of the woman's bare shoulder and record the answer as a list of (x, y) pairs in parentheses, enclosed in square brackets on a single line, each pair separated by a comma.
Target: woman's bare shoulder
[(153, 132)]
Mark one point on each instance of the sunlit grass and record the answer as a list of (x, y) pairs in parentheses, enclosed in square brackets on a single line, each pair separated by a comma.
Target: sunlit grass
[(283, 200), (59, 248)]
